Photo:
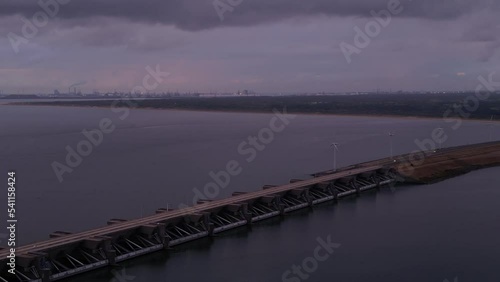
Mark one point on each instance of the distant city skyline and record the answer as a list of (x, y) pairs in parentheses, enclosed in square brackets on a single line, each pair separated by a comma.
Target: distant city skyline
[(80, 93), (277, 46)]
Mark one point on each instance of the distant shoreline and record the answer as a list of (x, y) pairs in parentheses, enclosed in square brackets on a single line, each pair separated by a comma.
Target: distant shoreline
[(259, 112), (429, 107)]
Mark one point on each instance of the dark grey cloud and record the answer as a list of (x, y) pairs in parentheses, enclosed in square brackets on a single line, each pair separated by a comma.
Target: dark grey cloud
[(200, 14), (131, 37), (108, 43), (489, 51), (483, 29)]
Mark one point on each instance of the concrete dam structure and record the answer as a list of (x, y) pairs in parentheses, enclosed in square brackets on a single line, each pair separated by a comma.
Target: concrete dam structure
[(66, 254)]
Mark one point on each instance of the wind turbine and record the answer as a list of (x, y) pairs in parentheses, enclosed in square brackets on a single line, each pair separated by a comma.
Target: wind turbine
[(335, 149), (491, 128), (440, 143), (391, 134)]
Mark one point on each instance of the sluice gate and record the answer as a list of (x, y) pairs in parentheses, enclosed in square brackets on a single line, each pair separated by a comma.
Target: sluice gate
[(67, 254)]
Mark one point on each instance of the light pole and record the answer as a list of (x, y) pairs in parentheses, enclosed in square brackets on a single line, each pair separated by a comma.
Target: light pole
[(335, 149), (390, 138)]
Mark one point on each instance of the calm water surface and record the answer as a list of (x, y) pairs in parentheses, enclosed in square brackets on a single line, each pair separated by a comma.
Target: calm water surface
[(156, 158)]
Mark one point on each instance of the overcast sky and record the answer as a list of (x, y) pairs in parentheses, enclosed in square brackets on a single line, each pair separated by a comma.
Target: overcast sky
[(261, 45)]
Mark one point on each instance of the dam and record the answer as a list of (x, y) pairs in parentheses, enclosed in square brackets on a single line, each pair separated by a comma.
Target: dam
[(66, 254)]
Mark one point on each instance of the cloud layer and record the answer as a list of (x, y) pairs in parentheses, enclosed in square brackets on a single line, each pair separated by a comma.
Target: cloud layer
[(262, 45), (200, 14)]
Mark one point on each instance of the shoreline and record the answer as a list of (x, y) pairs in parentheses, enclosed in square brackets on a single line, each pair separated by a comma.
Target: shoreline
[(449, 163), (385, 116), (439, 165)]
